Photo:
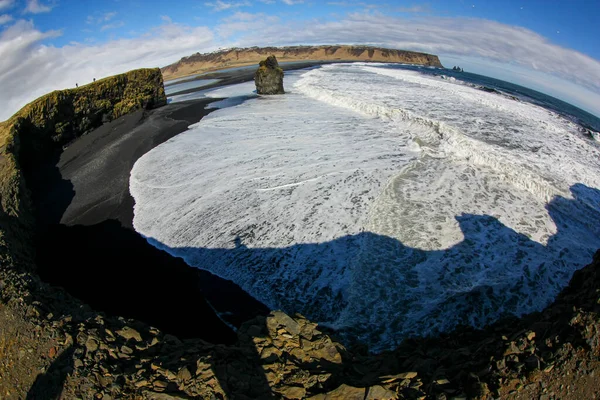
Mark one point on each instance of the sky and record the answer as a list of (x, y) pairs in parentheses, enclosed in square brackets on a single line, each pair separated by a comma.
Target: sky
[(549, 45)]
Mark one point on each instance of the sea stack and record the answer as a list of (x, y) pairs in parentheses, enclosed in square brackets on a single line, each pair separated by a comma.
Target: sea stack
[(269, 77)]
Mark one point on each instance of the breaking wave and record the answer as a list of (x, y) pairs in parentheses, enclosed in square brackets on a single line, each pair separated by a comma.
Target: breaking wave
[(383, 202)]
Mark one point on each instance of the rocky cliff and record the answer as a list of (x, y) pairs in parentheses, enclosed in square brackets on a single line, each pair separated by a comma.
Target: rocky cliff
[(269, 77), (237, 57), (43, 127), (53, 346)]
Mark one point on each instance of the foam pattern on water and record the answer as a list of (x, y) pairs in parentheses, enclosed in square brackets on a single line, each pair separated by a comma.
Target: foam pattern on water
[(383, 202), (269, 175)]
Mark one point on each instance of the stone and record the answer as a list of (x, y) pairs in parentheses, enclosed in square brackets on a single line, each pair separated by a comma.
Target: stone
[(162, 396), (292, 392), (344, 392), (270, 354), (398, 377), (141, 383), (269, 77), (91, 345), (380, 393), (184, 375), (129, 333), (160, 384), (512, 348), (287, 322)]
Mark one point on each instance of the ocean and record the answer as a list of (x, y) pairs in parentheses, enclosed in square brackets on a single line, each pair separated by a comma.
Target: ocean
[(382, 201)]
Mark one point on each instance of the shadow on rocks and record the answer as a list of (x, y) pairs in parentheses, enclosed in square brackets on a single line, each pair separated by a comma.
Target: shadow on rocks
[(49, 385)]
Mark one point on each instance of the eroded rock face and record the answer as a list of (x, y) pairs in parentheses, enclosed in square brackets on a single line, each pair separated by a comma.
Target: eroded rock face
[(269, 77)]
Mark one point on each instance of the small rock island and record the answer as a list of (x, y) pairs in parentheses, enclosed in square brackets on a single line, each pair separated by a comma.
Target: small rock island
[(269, 77)]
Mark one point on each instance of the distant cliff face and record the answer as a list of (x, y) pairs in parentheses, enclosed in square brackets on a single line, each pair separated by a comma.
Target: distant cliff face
[(44, 126), (198, 63)]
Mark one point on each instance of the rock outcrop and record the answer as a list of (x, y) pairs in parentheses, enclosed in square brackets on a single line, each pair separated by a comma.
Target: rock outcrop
[(269, 77), (238, 57)]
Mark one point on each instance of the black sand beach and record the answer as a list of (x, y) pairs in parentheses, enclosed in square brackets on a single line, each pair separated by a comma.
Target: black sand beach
[(242, 74), (86, 242)]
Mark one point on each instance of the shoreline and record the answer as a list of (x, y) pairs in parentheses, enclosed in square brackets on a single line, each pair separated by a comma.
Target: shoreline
[(85, 215), (238, 75)]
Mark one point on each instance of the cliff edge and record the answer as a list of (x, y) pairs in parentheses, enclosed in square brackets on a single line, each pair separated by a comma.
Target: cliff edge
[(238, 57), (43, 127)]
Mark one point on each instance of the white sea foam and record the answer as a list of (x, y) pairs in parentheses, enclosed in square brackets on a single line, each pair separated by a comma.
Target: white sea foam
[(383, 202)]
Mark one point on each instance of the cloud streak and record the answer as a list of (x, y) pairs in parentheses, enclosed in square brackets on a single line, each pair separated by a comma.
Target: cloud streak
[(36, 7), (5, 18), (6, 4), (100, 18), (225, 5), (245, 22)]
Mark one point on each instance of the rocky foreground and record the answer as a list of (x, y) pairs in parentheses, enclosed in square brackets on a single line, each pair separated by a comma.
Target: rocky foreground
[(51, 344), (54, 346), (238, 57)]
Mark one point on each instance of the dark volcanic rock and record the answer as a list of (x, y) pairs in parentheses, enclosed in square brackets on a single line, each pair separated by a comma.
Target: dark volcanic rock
[(269, 77)]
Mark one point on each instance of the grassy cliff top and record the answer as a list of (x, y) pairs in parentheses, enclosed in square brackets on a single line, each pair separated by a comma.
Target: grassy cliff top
[(238, 57), (72, 112)]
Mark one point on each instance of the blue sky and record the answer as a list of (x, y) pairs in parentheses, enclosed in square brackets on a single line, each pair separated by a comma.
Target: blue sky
[(551, 45)]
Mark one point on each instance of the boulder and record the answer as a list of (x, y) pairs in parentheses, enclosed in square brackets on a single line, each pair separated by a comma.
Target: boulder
[(269, 77)]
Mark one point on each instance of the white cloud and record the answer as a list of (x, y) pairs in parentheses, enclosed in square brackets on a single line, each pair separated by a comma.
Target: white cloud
[(166, 19), (452, 36), (5, 18), (36, 7), (5, 4), (267, 1), (292, 2), (225, 5), (29, 69), (100, 18), (103, 20), (114, 25), (356, 4), (414, 9), (244, 22)]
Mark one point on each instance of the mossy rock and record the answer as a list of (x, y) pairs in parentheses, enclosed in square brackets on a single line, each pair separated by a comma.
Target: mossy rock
[(269, 77)]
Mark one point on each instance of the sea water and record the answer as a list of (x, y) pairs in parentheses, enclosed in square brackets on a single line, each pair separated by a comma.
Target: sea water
[(384, 202)]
